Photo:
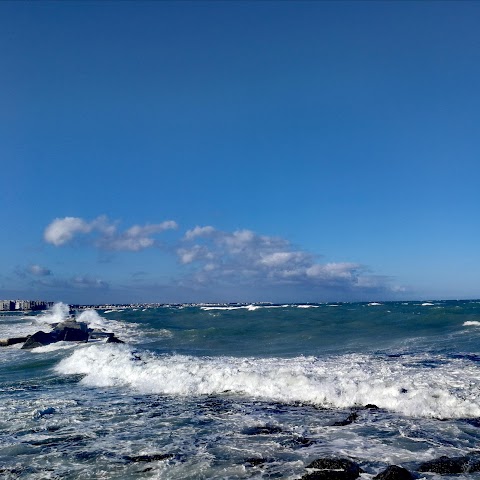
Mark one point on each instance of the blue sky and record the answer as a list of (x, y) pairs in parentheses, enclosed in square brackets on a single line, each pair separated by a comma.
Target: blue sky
[(239, 151)]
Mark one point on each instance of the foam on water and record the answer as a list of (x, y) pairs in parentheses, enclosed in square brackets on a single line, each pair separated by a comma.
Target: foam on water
[(404, 385), (250, 308)]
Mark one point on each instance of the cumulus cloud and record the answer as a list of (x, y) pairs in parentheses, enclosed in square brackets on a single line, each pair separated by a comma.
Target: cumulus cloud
[(213, 260), (104, 233), (244, 257), (62, 230), (199, 232)]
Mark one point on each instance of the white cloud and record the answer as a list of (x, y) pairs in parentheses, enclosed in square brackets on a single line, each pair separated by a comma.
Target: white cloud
[(199, 232), (278, 259), (39, 271), (62, 230), (244, 258), (105, 233), (137, 237), (192, 254)]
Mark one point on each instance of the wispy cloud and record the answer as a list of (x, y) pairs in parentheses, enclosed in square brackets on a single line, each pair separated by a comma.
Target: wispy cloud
[(38, 270), (74, 283), (104, 233)]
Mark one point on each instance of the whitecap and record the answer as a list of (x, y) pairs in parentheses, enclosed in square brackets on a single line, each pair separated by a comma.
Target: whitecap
[(343, 381)]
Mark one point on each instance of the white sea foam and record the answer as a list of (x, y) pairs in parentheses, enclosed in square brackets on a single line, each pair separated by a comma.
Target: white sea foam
[(471, 323), (251, 308), (451, 390), (307, 306), (374, 304), (58, 313), (427, 304)]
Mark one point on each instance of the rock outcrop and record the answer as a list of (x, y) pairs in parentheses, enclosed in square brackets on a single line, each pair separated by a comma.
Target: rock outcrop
[(450, 466), (333, 469), (394, 472), (68, 331)]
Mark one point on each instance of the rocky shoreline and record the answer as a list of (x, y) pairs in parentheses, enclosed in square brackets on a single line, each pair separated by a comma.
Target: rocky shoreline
[(67, 331)]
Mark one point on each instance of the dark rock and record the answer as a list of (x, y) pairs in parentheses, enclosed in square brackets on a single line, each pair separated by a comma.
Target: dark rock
[(154, 457), (394, 472), (447, 466), (39, 339), (262, 430), (6, 342), (473, 421), (71, 324), (333, 469), (255, 462), (350, 419), (73, 335), (298, 442), (114, 339), (371, 406), (96, 334)]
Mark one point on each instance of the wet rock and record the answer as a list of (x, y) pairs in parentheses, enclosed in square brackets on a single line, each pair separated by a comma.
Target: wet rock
[(6, 342), (154, 457), (39, 339), (350, 419), (394, 472), (72, 335), (371, 406), (298, 442), (72, 325), (254, 462), (114, 339), (68, 331), (333, 469), (262, 430), (448, 466)]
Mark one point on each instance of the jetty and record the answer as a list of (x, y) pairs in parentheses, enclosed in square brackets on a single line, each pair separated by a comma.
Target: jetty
[(67, 331)]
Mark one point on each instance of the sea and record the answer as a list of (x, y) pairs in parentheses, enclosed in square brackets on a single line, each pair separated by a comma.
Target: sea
[(242, 391)]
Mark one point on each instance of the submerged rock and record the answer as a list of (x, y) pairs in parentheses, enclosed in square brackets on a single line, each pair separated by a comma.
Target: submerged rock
[(254, 462), (333, 469), (114, 339), (350, 419), (447, 466), (262, 430), (394, 472), (154, 457)]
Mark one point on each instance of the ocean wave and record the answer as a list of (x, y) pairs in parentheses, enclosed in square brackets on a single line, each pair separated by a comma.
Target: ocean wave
[(471, 323), (250, 308), (406, 387)]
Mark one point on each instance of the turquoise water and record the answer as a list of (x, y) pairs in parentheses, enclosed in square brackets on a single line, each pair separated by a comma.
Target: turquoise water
[(209, 388)]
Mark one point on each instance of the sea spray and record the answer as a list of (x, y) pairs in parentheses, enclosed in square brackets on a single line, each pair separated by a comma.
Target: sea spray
[(59, 312)]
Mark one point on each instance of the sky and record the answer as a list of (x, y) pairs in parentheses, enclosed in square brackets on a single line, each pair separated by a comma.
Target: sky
[(214, 151)]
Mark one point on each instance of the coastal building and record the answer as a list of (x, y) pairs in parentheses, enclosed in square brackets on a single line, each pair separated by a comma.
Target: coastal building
[(12, 305), (7, 305)]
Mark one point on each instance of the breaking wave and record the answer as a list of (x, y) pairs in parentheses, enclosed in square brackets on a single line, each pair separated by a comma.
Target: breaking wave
[(405, 386)]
